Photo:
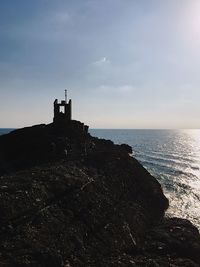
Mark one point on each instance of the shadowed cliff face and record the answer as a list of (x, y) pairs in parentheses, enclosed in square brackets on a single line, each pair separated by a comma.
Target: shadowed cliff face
[(76, 200), (34, 145)]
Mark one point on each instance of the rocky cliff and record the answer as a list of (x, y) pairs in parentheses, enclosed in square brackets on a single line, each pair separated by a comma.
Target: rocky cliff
[(69, 199)]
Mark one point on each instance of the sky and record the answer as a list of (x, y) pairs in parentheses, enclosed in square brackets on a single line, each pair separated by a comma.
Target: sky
[(125, 63)]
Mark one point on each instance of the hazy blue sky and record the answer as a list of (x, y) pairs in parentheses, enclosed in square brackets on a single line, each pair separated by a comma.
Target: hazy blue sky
[(126, 63)]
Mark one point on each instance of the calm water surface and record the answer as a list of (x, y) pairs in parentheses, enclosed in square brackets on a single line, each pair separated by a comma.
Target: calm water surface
[(173, 157)]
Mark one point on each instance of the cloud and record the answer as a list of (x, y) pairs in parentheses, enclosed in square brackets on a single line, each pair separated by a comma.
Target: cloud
[(62, 17), (101, 62), (126, 88)]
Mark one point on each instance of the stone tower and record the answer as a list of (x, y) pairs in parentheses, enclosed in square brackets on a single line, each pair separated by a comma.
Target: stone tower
[(62, 111)]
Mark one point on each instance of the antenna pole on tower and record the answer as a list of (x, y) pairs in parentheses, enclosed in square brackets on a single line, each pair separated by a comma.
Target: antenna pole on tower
[(66, 95)]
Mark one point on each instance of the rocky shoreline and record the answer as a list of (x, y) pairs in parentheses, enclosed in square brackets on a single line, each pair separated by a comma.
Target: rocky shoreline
[(70, 199)]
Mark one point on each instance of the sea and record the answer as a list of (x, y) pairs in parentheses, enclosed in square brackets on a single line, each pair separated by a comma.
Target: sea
[(172, 157)]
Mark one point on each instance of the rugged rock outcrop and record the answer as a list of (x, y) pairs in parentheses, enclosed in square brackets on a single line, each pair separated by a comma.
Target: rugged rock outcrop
[(69, 199)]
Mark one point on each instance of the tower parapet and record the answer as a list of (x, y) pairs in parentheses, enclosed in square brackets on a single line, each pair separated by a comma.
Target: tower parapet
[(65, 115)]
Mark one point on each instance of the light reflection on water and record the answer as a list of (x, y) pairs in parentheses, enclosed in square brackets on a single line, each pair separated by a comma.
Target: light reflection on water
[(173, 157), (185, 195)]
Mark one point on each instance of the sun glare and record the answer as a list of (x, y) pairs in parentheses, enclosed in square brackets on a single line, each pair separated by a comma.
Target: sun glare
[(191, 21)]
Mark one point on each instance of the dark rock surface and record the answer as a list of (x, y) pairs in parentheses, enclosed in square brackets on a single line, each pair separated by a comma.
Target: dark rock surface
[(69, 199)]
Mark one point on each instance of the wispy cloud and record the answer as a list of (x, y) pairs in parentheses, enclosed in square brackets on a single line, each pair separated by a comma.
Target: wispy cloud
[(125, 88), (61, 17), (101, 62)]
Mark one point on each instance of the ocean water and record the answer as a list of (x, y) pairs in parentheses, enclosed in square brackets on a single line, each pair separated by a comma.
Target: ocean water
[(5, 130), (173, 157)]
